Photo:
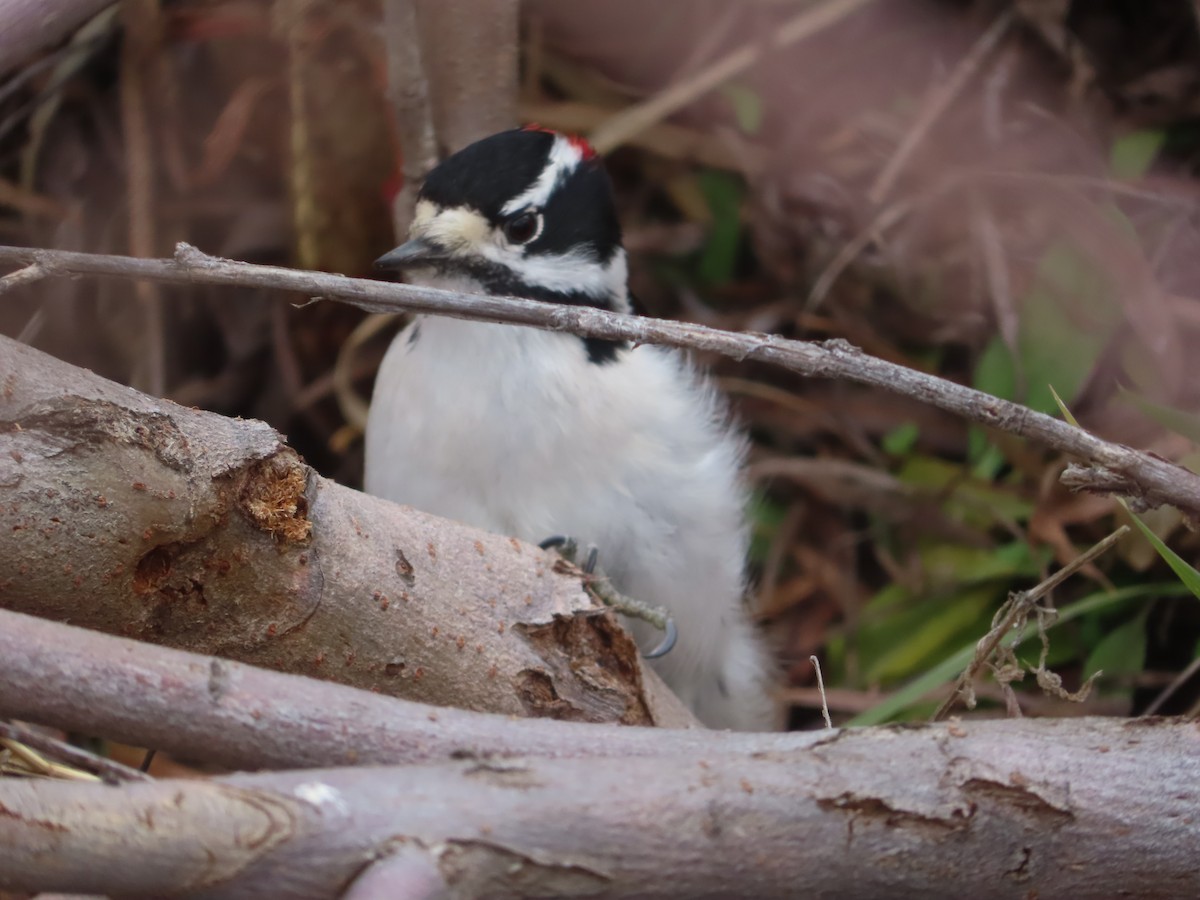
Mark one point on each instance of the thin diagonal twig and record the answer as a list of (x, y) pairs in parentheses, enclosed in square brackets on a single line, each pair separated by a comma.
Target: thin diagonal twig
[(624, 125), (1146, 479), (937, 104)]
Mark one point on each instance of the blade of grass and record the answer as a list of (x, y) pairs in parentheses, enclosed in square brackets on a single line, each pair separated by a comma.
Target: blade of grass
[(1182, 569)]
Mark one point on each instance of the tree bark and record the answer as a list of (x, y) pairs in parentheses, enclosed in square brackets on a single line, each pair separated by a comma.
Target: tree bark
[(242, 717), (470, 52), (1017, 808), (408, 94), (139, 517)]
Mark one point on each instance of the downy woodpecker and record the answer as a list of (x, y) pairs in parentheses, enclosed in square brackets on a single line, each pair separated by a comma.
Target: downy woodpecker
[(532, 433)]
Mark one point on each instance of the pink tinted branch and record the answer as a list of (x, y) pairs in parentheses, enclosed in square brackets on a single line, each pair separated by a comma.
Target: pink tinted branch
[(1148, 480), (1084, 808)]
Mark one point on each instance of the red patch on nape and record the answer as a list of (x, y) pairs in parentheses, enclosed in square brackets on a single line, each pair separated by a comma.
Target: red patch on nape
[(586, 150)]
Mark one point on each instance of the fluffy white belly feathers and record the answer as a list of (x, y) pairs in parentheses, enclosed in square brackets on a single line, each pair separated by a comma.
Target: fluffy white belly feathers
[(514, 430)]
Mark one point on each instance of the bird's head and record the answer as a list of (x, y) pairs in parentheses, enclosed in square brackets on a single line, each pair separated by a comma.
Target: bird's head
[(527, 212)]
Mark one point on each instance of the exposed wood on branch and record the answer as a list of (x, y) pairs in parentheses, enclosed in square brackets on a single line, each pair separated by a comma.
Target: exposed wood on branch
[(1146, 479)]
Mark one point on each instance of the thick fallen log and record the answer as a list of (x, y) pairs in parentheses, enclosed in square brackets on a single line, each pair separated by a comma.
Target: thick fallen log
[(139, 517), (1085, 808)]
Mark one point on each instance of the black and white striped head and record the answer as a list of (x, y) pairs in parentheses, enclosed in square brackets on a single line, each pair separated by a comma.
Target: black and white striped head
[(527, 213)]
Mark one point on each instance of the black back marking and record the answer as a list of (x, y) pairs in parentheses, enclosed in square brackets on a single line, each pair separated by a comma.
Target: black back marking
[(602, 352)]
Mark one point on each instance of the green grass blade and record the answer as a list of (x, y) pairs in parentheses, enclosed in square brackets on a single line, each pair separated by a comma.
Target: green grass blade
[(1182, 569)]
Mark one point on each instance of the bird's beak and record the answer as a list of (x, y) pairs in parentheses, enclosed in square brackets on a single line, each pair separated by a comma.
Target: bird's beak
[(414, 253)]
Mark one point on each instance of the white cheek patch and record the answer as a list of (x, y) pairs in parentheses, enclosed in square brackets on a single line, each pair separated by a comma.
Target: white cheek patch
[(563, 159)]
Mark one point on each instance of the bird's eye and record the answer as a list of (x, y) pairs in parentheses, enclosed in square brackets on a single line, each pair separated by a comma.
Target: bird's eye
[(523, 227)]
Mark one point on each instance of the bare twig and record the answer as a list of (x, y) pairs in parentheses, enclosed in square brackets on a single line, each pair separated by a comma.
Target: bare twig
[(821, 687), (106, 769), (29, 203), (937, 103), (624, 125), (28, 275), (871, 233), (1011, 616), (293, 21), (1149, 480), (1176, 683)]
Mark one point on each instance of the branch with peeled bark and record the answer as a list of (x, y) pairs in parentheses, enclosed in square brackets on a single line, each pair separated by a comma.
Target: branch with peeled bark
[(1079, 808), (1147, 480), (136, 516)]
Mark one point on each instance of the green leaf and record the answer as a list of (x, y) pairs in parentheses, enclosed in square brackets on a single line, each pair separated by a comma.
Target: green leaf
[(953, 665), (987, 459), (765, 516), (995, 374), (1133, 154), (927, 635), (1120, 652), (1067, 319), (747, 106), (901, 439), (950, 565), (968, 499), (723, 193), (995, 371)]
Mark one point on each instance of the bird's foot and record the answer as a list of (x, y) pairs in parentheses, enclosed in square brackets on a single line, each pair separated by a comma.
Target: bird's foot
[(603, 590)]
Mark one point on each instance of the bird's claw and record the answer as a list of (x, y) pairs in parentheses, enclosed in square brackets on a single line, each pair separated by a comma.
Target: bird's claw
[(666, 644), (567, 548)]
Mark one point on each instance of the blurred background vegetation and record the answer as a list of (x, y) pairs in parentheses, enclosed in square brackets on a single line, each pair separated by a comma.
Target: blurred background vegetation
[(1003, 193)]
